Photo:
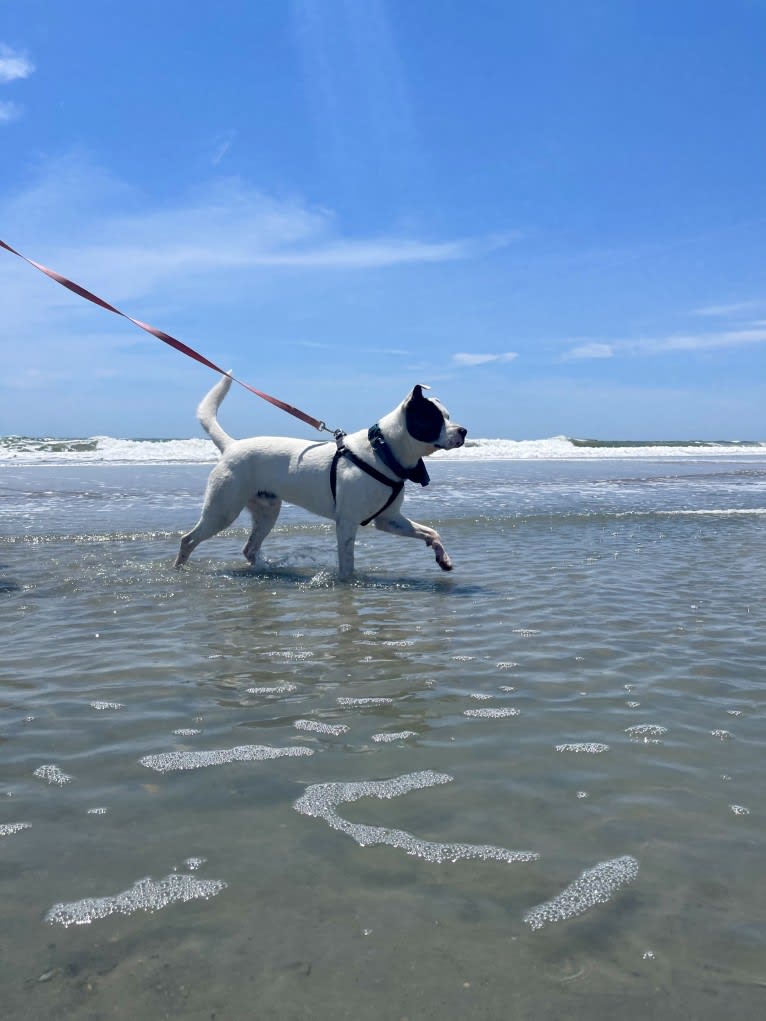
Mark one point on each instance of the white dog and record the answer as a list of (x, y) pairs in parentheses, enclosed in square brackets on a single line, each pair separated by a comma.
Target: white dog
[(354, 481)]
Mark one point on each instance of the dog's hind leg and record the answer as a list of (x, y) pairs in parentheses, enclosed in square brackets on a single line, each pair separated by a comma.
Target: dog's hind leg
[(399, 525), (201, 531), (222, 506), (264, 509), (204, 529)]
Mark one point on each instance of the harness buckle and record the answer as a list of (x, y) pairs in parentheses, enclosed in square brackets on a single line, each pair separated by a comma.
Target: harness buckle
[(339, 438)]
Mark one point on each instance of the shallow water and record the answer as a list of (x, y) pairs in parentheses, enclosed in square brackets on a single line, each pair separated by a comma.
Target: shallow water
[(196, 861)]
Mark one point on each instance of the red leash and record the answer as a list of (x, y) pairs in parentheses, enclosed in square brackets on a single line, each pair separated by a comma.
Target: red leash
[(165, 338)]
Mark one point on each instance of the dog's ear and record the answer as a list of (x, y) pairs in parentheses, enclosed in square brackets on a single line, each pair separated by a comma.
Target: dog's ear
[(424, 419)]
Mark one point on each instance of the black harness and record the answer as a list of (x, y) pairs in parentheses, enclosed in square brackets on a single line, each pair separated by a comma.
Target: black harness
[(384, 452)]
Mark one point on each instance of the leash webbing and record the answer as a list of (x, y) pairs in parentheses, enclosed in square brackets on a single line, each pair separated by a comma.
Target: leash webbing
[(166, 338)]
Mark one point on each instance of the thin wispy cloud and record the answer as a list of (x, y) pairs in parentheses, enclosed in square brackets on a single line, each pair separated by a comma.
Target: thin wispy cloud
[(222, 145), (356, 87), (372, 254), (470, 359), (726, 310), (689, 342), (14, 65), (707, 341), (594, 350), (9, 111), (131, 249), (188, 267)]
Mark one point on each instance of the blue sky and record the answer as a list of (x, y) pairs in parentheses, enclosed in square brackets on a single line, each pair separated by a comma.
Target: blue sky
[(553, 213)]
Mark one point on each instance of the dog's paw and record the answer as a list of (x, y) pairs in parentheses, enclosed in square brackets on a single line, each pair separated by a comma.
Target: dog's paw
[(442, 558)]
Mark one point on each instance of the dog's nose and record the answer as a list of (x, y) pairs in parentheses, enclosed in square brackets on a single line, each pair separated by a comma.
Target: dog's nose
[(463, 432)]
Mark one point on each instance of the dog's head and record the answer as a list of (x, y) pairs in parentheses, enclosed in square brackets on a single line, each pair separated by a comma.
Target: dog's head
[(428, 421)]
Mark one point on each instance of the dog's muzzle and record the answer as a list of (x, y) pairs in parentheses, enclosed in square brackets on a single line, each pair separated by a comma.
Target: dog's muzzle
[(455, 438)]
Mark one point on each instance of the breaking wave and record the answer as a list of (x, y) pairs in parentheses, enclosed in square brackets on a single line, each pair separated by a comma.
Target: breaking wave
[(31, 450)]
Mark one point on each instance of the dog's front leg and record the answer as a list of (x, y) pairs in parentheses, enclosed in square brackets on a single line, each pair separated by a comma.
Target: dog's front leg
[(346, 534), (399, 525)]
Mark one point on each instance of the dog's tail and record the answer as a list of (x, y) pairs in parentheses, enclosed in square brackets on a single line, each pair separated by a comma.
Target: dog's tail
[(207, 410)]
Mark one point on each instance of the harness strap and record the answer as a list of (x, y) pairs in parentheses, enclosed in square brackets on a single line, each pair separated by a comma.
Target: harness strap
[(385, 453), (395, 486)]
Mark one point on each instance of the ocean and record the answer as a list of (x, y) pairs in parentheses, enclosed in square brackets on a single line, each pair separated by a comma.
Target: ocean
[(531, 788)]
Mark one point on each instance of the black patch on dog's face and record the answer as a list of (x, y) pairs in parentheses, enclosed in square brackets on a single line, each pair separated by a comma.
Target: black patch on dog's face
[(424, 419)]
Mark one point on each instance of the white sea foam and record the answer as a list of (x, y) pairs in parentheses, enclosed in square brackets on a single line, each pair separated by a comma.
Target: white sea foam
[(584, 747), (283, 688), (52, 774), (111, 450), (562, 448), (290, 654), (594, 886), (322, 800), (363, 703), (168, 762), (400, 735), (101, 706), (145, 895), (7, 829), (646, 731), (317, 727), (105, 450), (493, 714)]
